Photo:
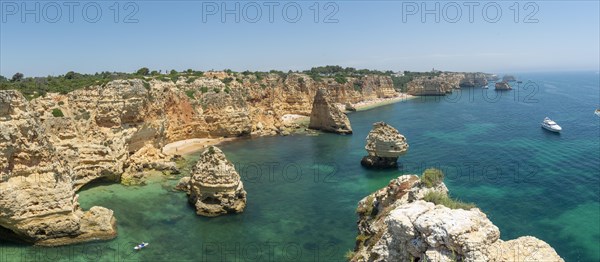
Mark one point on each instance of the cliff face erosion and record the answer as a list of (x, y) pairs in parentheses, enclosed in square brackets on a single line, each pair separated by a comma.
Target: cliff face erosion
[(444, 83), (396, 224), (53, 145), (384, 145), (38, 203)]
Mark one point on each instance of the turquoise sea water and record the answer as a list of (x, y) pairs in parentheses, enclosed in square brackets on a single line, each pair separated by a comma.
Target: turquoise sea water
[(303, 190)]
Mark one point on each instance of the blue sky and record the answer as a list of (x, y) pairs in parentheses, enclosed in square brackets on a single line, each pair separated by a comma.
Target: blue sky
[(367, 34)]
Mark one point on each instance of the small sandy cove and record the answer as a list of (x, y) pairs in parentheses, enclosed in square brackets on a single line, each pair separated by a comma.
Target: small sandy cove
[(368, 104), (189, 146)]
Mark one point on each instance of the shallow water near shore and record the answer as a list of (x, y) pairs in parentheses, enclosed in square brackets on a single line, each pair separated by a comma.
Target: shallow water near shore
[(303, 190)]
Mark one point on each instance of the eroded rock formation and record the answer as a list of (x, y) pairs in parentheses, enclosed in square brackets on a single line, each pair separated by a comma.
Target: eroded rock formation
[(434, 85), (474, 80), (115, 131), (326, 116), (38, 203), (214, 187), (384, 145), (502, 86), (396, 224)]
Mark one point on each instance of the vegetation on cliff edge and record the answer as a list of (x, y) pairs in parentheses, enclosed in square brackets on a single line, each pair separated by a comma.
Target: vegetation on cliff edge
[(445, 200), (33, 87), (432, 177)]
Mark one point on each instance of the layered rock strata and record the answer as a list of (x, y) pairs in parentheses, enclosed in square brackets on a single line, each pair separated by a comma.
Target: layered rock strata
[(38, 203), (326, 116), (474, 80), (114, 131), (384, 145), (396, 224), (214, 187), (434, 85)]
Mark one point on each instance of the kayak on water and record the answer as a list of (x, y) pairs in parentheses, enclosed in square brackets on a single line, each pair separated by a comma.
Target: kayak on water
[(140, 246)]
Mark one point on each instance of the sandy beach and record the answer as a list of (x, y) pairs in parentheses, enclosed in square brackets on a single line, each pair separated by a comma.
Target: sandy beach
[(188, 146), (369, 104)]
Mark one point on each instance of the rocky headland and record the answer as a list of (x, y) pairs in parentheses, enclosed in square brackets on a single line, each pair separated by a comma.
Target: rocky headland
[(38, 203), (475, 79), (434, 85), (214, 187), (408, 220), (444, 83), (384, 145)]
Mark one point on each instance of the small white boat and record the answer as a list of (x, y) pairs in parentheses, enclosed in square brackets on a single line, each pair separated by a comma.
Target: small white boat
[(485, 87), (140, 246), (597, 112), (550, 125)]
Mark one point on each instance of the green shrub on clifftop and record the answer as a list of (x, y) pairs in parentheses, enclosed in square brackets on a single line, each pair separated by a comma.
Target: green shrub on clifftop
[(432, 177), (190, 94), (443, 199), (341, 79), (57, 112)]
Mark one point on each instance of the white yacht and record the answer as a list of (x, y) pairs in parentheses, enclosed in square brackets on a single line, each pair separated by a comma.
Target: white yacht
[(597, 112), (550, 125)]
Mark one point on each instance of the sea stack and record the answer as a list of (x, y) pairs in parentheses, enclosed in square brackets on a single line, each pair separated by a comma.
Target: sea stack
[(502, 86), (215, 187), (326, 116), (384, 145)]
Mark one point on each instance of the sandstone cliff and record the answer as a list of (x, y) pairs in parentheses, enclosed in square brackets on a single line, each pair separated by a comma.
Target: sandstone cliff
[(115, 131), (326, 116), (434, 85), (38, 203), (384, 145), (395, 224), (214, 187), (474, 80), (102, 127)]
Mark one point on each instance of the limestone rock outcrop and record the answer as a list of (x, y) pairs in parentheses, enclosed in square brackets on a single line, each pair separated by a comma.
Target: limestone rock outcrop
[(384, 145), (396, 224), (434, 85), (326, 116), (38, 203), (474, 80), (215, 187), (502, 86), (115, 130)]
